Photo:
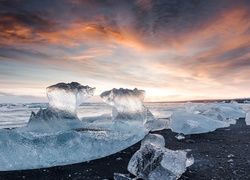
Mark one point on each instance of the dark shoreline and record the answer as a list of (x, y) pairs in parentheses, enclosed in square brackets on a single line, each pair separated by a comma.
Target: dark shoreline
[(222, 154)]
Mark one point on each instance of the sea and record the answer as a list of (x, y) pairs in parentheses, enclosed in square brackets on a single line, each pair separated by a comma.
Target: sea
[(17, 115)]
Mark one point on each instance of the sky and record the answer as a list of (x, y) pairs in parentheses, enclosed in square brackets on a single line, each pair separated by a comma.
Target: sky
[(173, 49)]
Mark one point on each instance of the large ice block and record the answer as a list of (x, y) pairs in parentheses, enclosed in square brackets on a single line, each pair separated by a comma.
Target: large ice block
[(68, 96), (55, 135), (188, 123)]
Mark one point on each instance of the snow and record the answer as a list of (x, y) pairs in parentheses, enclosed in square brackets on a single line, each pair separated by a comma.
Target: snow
[(56, 136), (154, 161)]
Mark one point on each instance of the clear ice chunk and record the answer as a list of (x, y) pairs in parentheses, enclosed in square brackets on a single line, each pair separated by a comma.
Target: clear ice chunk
[(227, 112), (60, 115), (188, 123), (55, 136), (127, 103), (247, 119), (156, 139), (157, 124), (68, 96), (119, 176), (152, 162)]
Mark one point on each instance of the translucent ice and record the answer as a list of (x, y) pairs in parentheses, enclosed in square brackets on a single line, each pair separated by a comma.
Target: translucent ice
[(128, 108), (157, 124), (67, 97), (126, 103), (188, 123), (217, 111), (119, 176), (248, 118), (55, 136), (60, 115), (154, 161), (155, 139)]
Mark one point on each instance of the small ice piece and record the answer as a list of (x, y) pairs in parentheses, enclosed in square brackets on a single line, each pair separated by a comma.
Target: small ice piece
[(152, 162), (119, 176), (231, 156), (190, 161), (247, 119), (157, 124), (188, 123), (180, 136), (156, 139), (119, 159)]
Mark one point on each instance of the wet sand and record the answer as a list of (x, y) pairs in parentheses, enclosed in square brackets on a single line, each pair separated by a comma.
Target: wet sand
[(222, 154)]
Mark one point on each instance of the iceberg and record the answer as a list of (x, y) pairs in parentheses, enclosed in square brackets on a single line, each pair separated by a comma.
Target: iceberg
[(154, 161), (228, 112), (64, 99), (126, 102), (189, 123), (56, 136)]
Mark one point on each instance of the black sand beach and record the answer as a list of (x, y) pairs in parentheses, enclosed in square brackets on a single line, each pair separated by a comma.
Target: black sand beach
[(222, 154)]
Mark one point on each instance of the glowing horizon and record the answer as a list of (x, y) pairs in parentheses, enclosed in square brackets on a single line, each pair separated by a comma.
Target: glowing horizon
[(174, 50)]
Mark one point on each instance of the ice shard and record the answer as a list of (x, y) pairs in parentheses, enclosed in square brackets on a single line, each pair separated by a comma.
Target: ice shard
[(248, 118), (55, 135), (154, 161)]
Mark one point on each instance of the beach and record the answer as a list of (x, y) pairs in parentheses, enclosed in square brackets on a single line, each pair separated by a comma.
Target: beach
[(222, 154)]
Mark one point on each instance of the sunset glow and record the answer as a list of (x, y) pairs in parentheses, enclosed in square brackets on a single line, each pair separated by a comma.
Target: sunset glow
[(174, 50)]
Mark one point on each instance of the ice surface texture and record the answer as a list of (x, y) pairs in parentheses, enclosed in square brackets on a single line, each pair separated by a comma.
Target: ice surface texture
[(217, 111), (67, 97), (202, 118), (55, 136), (248, 118), (154, 161), (190, 123), (125, 101), (60, 115)]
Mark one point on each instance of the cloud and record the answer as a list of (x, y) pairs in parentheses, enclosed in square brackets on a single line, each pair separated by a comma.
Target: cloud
[(181, 46)]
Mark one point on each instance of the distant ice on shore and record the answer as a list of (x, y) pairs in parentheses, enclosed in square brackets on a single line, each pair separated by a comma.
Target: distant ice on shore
[(206, 117)]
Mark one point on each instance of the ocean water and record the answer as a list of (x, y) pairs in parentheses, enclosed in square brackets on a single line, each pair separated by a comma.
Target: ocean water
[(17, 115)]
